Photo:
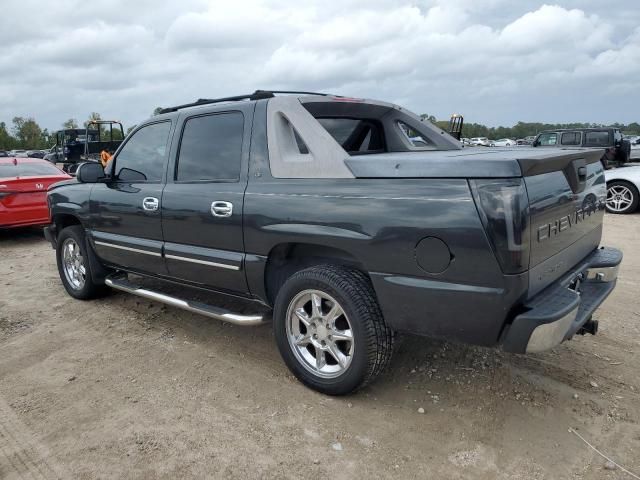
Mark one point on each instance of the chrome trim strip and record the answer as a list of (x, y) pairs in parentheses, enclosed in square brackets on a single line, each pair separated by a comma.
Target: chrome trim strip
[(129, 249), (202, 262), (121, 283)]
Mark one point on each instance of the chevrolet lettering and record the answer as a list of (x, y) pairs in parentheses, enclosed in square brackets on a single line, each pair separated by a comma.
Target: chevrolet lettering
[(567, 221)]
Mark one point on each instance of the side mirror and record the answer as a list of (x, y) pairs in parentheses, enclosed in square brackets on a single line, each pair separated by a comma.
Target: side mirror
[(534, 143), (90, 172)]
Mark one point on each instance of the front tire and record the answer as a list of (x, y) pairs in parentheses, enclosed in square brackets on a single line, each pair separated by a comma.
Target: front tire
[(330, 330), (622, 197), (74, 266)]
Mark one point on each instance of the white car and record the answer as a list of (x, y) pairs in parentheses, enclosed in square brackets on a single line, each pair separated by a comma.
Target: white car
[(635, 148), (504, 142), (480, 141), (623, 185)]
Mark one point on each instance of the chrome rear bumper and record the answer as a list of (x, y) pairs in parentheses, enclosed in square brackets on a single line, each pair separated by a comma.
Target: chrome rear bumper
[(559, 312)]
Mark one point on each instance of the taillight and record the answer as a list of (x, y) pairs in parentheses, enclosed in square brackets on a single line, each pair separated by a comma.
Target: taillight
[(503, 206)]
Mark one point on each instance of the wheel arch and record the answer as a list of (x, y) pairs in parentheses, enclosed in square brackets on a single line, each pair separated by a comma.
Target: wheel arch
[(64, 219), (285, 259)]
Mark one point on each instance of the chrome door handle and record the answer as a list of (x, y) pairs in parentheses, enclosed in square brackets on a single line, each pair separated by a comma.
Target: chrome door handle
[(150, 204), (221, 209)]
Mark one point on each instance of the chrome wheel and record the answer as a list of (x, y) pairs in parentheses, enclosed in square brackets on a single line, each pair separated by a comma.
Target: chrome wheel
[(619, 198), (73, 264), (319, 333)]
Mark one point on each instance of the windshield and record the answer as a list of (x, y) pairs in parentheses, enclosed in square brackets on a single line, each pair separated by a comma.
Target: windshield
[(80, 135), (27, 170)]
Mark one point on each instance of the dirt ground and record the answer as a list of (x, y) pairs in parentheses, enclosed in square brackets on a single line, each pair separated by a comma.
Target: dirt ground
[(126, 388)]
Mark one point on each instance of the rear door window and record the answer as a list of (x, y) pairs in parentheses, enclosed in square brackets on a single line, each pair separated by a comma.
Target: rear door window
[(597, 139), (570, 138), (546, 139), (211, 148), (143, 157)]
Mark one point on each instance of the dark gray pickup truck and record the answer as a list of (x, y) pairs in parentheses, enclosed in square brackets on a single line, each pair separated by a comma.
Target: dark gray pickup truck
[(344, 221)]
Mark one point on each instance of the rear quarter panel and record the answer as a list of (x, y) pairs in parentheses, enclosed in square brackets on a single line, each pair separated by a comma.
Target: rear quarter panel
[(380, 222)]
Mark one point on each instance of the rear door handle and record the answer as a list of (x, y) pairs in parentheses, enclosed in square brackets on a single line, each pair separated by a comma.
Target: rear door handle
[(221, 209), (150, 204)]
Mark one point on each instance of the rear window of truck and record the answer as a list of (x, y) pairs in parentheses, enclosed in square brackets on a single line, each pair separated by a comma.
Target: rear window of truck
[(27, 170), (356, 136)]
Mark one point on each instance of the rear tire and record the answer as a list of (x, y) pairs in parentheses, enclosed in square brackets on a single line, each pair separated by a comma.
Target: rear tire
[(330, 330), (74, 266), (622, 197)]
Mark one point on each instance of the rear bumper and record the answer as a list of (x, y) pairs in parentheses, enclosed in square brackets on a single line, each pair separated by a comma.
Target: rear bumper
[(559, 312)]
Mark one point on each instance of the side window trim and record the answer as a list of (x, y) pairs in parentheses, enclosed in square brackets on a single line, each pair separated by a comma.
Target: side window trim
[(128, 137), (176, 156)]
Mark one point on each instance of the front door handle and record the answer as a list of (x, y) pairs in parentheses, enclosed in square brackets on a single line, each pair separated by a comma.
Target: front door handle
[(221, 209), (150, 204)]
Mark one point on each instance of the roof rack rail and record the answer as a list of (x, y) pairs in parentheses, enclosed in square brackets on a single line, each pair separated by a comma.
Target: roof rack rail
[(257, 95)]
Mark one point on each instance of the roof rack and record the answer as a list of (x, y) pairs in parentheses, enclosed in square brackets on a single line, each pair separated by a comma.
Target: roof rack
[(257, 95)]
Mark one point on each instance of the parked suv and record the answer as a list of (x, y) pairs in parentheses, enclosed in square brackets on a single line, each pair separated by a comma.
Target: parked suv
[(344, 221), (616, 149)]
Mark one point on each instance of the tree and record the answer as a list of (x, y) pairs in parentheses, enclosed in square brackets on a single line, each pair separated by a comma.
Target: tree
[(27, 131), (431, 118), (94, 116), (71, 123), (45, 139), (7, 142)]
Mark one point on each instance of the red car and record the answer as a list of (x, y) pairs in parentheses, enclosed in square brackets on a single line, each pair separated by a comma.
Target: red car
[(23, 190)]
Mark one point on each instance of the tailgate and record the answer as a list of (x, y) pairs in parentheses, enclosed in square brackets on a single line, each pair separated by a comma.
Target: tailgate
[(567, 194)]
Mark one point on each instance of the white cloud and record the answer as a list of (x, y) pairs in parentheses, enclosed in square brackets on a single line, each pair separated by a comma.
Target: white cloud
[(496, 61)]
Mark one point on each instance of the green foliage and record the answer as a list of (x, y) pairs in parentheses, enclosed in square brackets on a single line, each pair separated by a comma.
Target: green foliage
[(524, 129), (94, 116), (71, 123), (7, 142), (25, 133)]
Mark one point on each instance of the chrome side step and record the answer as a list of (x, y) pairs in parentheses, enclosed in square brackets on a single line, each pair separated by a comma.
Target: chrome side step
[(120, 282)]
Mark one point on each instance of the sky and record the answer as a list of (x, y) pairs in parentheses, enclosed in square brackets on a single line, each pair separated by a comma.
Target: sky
[(494, 61)]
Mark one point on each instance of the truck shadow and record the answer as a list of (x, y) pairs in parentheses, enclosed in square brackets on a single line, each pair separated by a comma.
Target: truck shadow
[(23, 235), (435, 371)]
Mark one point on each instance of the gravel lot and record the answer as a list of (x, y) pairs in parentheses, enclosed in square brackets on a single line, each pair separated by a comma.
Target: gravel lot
[(126, 388)]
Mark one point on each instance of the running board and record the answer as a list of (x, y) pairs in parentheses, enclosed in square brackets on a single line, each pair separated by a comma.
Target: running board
[(120, 282)]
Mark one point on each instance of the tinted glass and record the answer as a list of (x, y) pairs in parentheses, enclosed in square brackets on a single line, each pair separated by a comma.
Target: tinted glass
[(548, 139), (416, 139), (597, 139), (570, 138), (211, 148), (28, 170), (354, 135), (339, 128), (143, 156)]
